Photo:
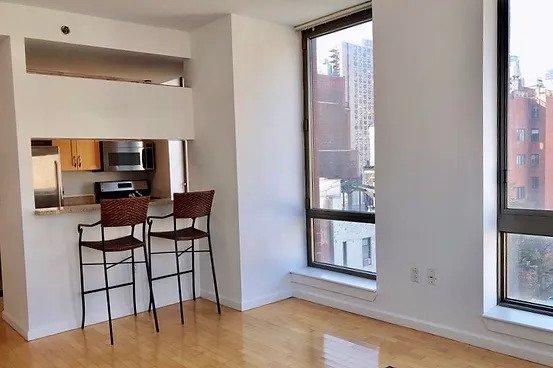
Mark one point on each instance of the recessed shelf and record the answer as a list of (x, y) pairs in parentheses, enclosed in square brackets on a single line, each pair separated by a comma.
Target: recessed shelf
[(81, 61), (100, 77)]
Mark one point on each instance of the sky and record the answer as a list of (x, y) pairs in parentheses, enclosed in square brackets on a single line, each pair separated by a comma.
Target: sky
[(531, 37), (355, 34)]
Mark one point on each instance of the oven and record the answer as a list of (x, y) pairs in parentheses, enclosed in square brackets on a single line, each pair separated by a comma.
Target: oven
[(128, 155)]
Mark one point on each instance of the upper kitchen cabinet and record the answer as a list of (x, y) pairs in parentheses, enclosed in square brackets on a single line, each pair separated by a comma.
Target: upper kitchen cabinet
[(79, 154), (78, 90)]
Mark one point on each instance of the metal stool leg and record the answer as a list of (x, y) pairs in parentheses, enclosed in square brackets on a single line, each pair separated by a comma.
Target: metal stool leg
[(148, 275), (193, 274), (179, 281), (82, 279), (150, 260), (133, 282), (213, 273), (107, 289)]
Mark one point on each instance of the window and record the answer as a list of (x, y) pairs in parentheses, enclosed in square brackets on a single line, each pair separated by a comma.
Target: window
[(339, 143), (520, 193), (345, 254), (535, 135), (520, 160), (525, 219), (535, 112), (520, 135), (535, 182), (367, 252), (534, 159)]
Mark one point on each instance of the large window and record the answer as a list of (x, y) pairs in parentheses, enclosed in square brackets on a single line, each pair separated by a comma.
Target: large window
[(339, 142), (525, 221)]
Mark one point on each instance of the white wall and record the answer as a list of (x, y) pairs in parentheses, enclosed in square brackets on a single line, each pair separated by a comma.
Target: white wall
[(213, 153), (246, 78), (269, 151), (44, 24), (435, 144), (11, 234), (48, 248)]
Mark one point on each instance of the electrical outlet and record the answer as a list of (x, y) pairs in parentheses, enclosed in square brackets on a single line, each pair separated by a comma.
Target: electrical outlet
[(431, 277), (415, 276)]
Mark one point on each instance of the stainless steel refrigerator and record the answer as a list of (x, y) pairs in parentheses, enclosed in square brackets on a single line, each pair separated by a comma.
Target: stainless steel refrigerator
[(47, 176)]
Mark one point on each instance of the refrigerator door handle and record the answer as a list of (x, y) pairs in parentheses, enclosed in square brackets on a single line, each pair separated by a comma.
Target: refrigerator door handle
[(58, 183)]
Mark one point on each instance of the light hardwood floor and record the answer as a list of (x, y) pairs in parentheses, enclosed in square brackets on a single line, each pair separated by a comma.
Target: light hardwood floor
[(291, 333)]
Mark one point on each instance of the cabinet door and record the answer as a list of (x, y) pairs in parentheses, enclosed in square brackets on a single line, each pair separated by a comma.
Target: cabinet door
[(67, 154), (88, 154)]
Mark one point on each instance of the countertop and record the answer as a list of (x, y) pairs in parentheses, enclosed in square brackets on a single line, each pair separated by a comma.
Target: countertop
[(88, 208)]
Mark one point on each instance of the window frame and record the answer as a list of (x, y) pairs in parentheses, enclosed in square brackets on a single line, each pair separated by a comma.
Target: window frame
[(511, 220), (312, 214)]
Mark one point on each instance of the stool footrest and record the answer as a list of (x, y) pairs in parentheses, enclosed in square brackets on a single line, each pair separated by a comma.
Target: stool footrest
[(109, 287), (171, 275), (109, 264)]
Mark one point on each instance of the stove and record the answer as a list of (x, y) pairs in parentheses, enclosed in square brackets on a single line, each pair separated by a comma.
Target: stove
[(121, 189)]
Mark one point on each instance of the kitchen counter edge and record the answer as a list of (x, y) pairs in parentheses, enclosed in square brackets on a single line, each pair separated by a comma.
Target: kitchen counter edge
[(88, 208)]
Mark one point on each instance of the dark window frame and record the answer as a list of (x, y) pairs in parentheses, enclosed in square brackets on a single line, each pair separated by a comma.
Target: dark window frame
[(315, 213), (511, 220)]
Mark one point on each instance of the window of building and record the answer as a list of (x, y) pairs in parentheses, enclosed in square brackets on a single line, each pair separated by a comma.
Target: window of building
[(525, 222), (520, 159), (520, 135), (339, 143), (345, 254), (535, 112), (535, 135), (521, 193), (535, 159), (367, 252), (535, 182)]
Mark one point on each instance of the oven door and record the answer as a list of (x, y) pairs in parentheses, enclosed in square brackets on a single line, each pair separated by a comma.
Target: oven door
[(123, 156)]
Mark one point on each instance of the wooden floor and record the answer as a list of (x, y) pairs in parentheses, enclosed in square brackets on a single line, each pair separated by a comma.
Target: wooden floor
[(291, 333)]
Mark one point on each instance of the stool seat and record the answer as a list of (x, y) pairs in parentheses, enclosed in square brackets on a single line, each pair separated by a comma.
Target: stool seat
[(115, 245), (189, 233)]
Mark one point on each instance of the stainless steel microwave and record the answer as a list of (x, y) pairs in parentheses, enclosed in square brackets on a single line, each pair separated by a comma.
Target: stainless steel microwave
[(128, 155)]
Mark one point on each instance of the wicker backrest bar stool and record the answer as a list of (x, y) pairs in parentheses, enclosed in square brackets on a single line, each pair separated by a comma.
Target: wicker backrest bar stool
[(125, 212), (191, 205)]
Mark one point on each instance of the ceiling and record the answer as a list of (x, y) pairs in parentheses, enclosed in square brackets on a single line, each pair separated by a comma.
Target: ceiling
[(189, 14)]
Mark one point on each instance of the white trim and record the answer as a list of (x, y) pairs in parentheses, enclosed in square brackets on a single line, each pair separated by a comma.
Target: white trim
[(248, 304), (364, 308), (231, 303), (335, 282), (11, 321), (59, 327), (267, 299), (333, 16), (514, 322)]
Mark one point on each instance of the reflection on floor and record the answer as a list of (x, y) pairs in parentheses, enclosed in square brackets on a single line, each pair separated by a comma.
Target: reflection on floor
[(338, 352), (291, 333)]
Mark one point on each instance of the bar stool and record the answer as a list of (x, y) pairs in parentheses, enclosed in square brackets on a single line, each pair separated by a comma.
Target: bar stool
[(118, 213), (191, 205)]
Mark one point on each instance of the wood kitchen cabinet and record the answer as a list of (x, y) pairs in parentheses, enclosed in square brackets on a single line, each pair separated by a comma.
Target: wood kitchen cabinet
[(79, 154)]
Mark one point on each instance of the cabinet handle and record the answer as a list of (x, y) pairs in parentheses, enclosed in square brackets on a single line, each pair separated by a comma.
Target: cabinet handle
[(74, 161), (80, 162)]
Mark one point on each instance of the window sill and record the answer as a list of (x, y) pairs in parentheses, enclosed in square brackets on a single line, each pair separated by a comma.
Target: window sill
[(519, 323), (336, 282)]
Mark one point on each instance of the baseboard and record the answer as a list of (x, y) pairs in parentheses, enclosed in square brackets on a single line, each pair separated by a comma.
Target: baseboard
[(227, 302), (11, 321), (248, 304), (267, 299), (326, 298), (56, 328)]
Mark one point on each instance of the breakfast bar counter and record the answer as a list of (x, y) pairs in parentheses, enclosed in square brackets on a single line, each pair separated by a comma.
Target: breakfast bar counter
[(88, 208)]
